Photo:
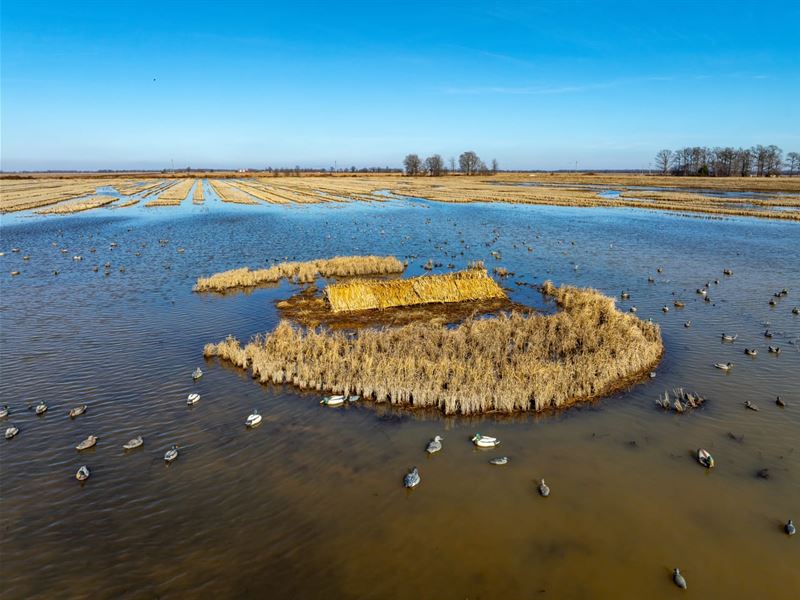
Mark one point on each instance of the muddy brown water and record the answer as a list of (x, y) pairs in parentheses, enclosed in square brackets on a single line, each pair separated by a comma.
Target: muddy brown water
[(311, 504)]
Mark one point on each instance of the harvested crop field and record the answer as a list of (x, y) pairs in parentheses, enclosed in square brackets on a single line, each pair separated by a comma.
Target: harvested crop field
[(174, 195), (79, 205)]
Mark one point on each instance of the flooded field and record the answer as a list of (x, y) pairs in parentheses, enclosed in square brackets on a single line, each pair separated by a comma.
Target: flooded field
[(310, 504)]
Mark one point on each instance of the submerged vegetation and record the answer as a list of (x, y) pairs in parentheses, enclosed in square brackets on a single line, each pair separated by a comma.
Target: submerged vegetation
[(513, 362), (301, 272)]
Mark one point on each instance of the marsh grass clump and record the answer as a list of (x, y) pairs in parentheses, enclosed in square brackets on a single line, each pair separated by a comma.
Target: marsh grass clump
[(301, 272), (513, 362)]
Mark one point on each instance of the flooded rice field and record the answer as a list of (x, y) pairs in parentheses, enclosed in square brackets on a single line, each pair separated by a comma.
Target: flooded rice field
[(310, 504)]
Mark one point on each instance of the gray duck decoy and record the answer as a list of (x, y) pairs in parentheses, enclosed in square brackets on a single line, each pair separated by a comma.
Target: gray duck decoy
[(789, 528), (412, 478), (679, 579), (544, 491), (434, 445)]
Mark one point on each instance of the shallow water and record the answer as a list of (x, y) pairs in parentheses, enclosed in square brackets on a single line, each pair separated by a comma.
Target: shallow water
[(311, 504)]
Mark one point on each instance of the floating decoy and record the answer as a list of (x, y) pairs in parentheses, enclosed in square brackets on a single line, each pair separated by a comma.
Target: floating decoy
[(780, 402), (83, 473), (679, 579), (651, 280), (652, 374), (687, 324), (134, 443), (544, 491), (774, 349), (772, 302), (353, 398), (412, 478), (26, 257), (484, 441), (729, 338), (724, 366), (705, 459), (434, 445), (750, 351), (632, 309), (678, 304), (4, 411), (701, 291), (624, 295), (784, 292), (254, 419), (665, 308), (193, 398), (796, 310), (789, 528), (77, 411), (11, 431), (499, 460), (659, 270), (763, 474), (707, 299), (767, 334), (197, 373), (332, 400), (750, 405), (87, 443), (77, 257), (171, 454), (716, 281), (41, 408), (727, 272)]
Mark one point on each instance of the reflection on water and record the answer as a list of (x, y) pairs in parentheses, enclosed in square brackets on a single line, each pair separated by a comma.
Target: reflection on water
[(310, 503)]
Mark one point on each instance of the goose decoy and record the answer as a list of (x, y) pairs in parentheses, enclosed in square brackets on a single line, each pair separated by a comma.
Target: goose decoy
[(750, 405), (624, 295), (171, 454), (705, 458), (774, 349), (499, 460), (767, 334), (412, 478), (544, 491), (727, 272), (687, 324), (134, 443), (707, 299), (724, 366), (751, 351), (484, 441), (254, 419), (41, 408), (678, 304), (729, 338), (197, 373), (193, 398), (332, 400), (780, 402), (4, 410), (77, 411), (434, 445), (87, 443), (678, 579), (789, 528), (83, 473), (11, 431)]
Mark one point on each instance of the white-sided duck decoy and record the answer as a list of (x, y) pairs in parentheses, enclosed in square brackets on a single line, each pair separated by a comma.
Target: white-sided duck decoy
[(796, 310), (332, 400), (77, 411), (751, 351), (724, 366), (678, 579), (544, 491), (727, 272), (632, 309), (193, 398), (171, 454), (687, 324), (133, 444), (750, 405), (11, 431), (412, 478), (253, 419), (701, 291), (774, 349), (625, 295), (83, 473), (484, 441), (651, 279), (705, 458), (4, 411), (789, 528), (197, 373), (434, 445), (499, 460), (87, 443), (41, 408), (772, 302), (726, 337)]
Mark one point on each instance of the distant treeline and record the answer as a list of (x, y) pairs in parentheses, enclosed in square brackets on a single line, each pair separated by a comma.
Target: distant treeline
[(469, 163), (761, 161)]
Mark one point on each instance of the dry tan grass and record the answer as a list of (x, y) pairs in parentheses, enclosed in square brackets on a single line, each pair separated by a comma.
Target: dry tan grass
[(301, 272), (26, 194), (229, 193), (199, 194), (79, 206), (504, 364), (173, 196)]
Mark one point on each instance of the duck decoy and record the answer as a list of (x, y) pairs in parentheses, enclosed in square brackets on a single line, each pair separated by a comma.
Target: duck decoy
[(665, 308), (679, 580), (499, 460), (11, 431), (780, 402), (77, 411), (83, 473), (544, 491), (651, 280), (724, 366), (632, 309), (171, 454), (767, 334), (193, 398), (41, 408), (796, 310), (701, 291), (707, 299), (197, 373), (751, 351), (4, 411), (716, 282), (789, 528), (254, 419), (784, 292), (332, 400), (412, 478), (678, 304), (87, 443), (624, 295), (772, 302), (484, 441), (705, 458), (659, 270), (134, 443), (727, 272), (750, 405), (434, 445), (729, 338), (774, 349)]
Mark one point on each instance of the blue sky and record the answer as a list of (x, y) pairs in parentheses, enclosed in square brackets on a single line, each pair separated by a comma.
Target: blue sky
[(535, 85)]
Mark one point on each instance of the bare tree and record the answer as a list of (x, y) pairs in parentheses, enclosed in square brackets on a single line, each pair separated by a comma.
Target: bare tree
[(412, 164), (469, 162), (452, 162), (793, 158), (663, 160), (434, 165), (494, 166)]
